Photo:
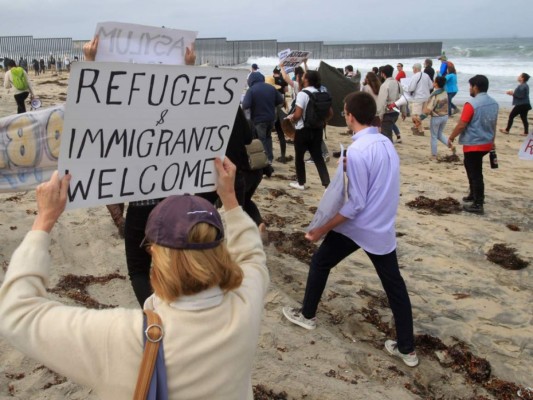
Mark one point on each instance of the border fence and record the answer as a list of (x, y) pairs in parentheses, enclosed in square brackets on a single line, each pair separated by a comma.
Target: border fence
[(220, 51)]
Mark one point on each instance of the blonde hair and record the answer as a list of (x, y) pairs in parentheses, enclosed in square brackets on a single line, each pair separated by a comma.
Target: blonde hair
[(179, 272)]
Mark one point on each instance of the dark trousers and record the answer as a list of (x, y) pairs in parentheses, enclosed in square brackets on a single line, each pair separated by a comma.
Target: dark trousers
[(20, 99), (263, 131), (281, 138), (333, 250), (521, 110), (309, 140), (137, 259), (474, 171), (252, 180), (389, 120), (280, 114)]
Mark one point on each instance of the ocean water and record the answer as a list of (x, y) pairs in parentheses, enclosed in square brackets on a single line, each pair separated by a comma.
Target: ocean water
[(501, 60)]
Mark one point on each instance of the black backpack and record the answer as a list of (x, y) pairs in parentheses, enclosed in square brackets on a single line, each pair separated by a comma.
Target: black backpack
[(317, 109)]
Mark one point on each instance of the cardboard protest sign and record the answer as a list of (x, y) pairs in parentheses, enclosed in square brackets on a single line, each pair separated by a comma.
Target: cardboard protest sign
[(29, 148), (526, 150), (291, 59), (137, 132), (284, 53), (142, 44)]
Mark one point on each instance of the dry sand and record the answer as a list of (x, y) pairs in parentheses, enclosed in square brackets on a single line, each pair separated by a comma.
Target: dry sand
[(460, 299)]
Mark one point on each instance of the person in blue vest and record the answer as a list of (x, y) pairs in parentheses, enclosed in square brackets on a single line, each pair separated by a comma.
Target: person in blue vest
[(476, 131)]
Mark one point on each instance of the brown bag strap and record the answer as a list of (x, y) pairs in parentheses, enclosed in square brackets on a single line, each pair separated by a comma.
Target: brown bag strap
[(154, 334)]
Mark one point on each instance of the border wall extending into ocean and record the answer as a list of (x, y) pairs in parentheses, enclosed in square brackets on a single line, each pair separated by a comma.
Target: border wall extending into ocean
[(220, 51)]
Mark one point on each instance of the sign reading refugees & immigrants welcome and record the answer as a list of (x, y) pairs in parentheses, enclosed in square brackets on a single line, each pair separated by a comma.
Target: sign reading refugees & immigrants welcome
[(135, 132)]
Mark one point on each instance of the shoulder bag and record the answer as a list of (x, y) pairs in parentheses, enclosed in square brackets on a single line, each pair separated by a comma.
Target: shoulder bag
[(152, 379), (257, 157)]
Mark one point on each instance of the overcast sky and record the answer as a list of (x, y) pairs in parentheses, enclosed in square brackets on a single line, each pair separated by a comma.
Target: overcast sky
[(327, 20)]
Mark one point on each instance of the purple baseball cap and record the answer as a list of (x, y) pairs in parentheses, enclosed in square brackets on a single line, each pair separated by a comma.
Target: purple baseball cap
[(171, 221)]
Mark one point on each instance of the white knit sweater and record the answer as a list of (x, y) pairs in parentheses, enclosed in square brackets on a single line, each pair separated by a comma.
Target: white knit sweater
[(209, 353)]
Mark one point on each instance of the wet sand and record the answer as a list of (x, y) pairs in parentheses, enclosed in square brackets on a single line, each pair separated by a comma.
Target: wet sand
[(466, 308)]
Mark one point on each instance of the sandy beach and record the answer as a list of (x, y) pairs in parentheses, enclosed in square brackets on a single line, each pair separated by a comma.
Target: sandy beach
[(473, 318)]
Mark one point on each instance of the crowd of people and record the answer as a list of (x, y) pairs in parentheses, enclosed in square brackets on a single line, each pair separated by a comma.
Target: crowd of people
[(43, 64), (208, 280)]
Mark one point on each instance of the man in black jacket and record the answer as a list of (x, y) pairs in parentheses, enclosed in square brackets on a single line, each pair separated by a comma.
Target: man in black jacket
[(428, 68)]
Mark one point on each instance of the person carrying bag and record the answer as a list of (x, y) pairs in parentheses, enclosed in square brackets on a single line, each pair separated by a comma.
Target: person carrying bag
[(209, 279), (152, 379)]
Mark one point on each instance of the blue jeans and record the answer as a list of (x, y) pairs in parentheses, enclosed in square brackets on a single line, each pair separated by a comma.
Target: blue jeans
[(437, 125), (263, 131), (396, 130), (450, 104), (337, 247)]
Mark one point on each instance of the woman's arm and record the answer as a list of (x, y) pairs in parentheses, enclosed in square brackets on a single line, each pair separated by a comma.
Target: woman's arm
[(30, 86), (430, 105), (7, 80), (243, 239), (51, 202), (81, 344), (286, 76), (89, 49)]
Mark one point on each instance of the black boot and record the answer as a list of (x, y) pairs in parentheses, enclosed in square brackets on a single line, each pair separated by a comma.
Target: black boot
[(268, 171), (470, 197), (474, 208)]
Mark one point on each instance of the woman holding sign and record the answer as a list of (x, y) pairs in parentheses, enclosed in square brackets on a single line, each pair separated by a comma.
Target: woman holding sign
[(210, 302), (138, 261)]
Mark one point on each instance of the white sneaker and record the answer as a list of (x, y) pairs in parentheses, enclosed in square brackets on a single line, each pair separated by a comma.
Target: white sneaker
[(296, 317), (410, 359), (296, 185), (309, 161), (326, 158)]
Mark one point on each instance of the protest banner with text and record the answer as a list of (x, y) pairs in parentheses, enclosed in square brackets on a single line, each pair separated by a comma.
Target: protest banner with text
[(526, 149), (29, 148), (291, 59), (142, 44), (136, 132)]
